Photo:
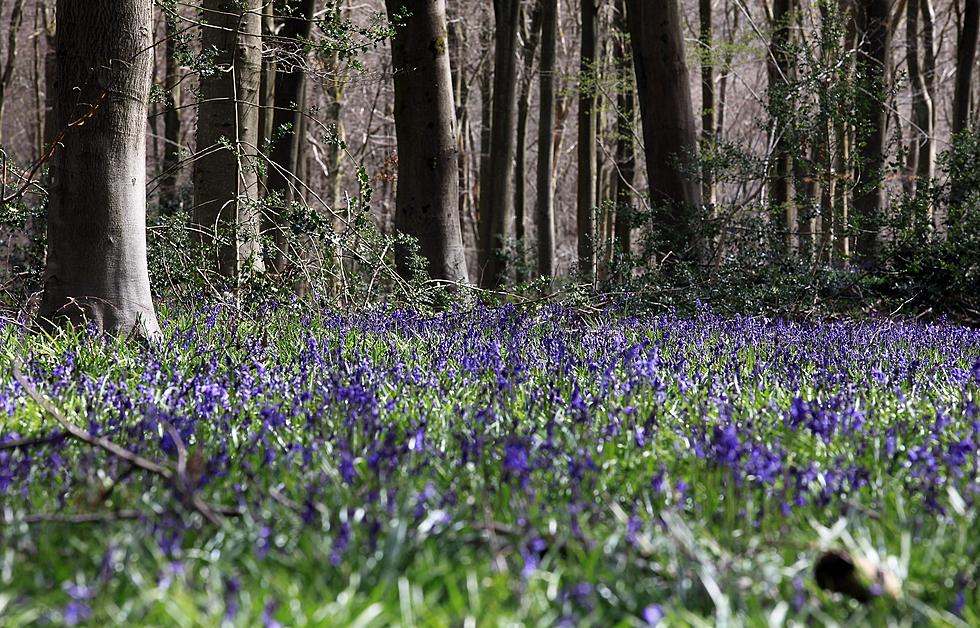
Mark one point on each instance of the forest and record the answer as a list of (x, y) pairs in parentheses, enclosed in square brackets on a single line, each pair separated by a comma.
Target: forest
[(503, 312)]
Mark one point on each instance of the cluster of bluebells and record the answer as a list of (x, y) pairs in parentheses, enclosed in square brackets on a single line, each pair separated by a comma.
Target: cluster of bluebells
[(359, 426)]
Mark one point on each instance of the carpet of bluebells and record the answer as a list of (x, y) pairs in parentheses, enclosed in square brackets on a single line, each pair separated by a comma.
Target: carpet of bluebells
[(490, 466)]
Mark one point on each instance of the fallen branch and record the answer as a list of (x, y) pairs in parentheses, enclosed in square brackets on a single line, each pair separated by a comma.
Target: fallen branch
[(177, 479)]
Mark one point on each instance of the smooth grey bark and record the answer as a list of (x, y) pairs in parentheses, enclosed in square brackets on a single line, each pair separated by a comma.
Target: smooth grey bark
[(587, 147), (226, 216), (966, 54), (625, 147), (669, 127), (171, 120), (96, 269), (286, 153), (531, 40), (545, 210), (427, 196), (498, 212), (780, 180), (872, 126)]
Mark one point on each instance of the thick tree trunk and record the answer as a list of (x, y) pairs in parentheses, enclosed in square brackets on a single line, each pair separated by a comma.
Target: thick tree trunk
[(425, 122), (226, 217), (779, 71), (587, 129), (96, 269), (531, 39), (545, 211), (171, 122), (669, 127), (625, 149), (497, 214), (286, 152), (872, 126), (966, 54)]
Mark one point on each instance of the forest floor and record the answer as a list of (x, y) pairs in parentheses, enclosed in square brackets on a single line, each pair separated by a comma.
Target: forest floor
[(303, 468)]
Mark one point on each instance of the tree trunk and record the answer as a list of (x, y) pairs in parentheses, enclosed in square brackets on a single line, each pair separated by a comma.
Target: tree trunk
[(708, 106), (872, 126), (779, 71), (669, 127), (545, 212), (966, 53), (922, 151), (495, 217), (7, 75), (625, 150), (587, 129), (425, 122), (267, 89), (50, 72), (171, 122), (96, 269), (225, 214), (531, 39), (285, 153)]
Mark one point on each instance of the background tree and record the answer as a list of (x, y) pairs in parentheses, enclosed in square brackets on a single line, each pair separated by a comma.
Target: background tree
[(780, 108), (545, 211), (425, 121), (587, 149), (289, 113), (497, 212), (96, 269), (226, 215), (625, 122), (966, 54), (669, 129), (873, 64)]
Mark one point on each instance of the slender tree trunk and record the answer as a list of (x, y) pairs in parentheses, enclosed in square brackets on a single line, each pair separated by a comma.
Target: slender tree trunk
[(966, 52), (872, 127), (267, 88), (708, 105), (531, 39), (50, 72), (499, 211), (927, 149), (485, 214), (625, 149), (38, 62), (7, 75), (779, 70), (587, 130), (918, 158), (669, 127), (425, 121), (545, 212), (286, 151), (225, 171), (96, 269), (171, 122)]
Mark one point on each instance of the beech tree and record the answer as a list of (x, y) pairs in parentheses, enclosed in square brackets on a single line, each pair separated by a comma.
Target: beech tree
[(587, 149), (427, 202), (497, 206), (966, 54), (289, 111), (545, 211), (669, 128), (96, 269), (226, 215), (873, 57)]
